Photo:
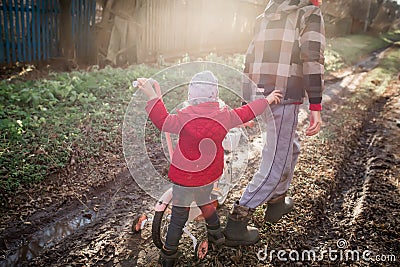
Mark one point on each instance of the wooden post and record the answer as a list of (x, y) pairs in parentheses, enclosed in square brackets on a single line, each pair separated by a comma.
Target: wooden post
[(2, 52), (6, 35), (12, 31), (367, 16), (66, 41), (18, 31)]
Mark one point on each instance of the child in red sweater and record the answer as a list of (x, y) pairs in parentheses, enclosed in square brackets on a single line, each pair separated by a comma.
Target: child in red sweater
[(198, 159)]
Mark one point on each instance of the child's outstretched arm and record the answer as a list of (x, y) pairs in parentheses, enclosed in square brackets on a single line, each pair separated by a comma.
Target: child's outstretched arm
[(146, 85), (155, 107), (248, 112)]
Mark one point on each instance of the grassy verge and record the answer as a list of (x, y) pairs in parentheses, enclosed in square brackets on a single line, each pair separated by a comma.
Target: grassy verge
[(47, 124), (346, 51), (44, 122)]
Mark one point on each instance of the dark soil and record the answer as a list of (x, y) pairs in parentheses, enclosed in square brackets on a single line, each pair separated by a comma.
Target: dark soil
[(346, 189)]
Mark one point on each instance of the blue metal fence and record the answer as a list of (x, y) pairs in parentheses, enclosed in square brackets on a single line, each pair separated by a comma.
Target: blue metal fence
[(83, 14), (29, 29)]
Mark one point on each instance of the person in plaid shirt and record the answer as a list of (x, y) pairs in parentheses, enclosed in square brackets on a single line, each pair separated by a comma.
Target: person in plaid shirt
[(286, 54)]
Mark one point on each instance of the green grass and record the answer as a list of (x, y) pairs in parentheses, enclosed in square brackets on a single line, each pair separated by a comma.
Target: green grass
[(393, 36), (44, 122), (348, 50)]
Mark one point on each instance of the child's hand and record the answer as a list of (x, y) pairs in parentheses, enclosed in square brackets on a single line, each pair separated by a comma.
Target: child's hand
[(274, 97), (147, 87)]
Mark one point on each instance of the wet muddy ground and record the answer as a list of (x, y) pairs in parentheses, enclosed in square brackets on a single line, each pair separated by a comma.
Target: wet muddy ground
[(346, 190)]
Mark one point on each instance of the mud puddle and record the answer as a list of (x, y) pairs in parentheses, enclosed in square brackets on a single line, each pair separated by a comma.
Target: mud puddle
[(94, 227), (47, 238)]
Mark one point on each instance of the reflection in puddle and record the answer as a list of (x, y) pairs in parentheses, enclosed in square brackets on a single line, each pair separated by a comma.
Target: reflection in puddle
[(46, 238)]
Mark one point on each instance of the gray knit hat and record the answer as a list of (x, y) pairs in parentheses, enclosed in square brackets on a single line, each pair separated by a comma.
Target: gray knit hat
[(203, 85)]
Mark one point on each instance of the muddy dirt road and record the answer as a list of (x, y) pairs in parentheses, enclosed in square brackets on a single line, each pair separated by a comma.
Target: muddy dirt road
[(88, 231), (353, 199)]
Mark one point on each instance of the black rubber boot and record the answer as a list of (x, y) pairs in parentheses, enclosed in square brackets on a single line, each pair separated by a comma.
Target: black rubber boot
[(278, 207), (215, 235), (236, 231), (168, 258)]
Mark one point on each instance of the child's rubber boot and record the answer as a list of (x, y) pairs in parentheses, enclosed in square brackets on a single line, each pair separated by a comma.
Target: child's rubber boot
[(168, 258), (215, 235), (237, 232), (278, 207)]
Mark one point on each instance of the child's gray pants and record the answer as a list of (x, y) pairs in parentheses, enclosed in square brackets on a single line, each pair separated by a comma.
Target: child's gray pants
[(279, 157)]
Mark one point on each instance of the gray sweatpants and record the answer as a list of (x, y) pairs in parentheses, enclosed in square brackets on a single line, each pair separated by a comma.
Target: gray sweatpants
[(279, 157)]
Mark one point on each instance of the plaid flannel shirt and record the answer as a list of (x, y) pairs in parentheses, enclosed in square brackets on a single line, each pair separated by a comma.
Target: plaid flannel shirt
[(287, 53)]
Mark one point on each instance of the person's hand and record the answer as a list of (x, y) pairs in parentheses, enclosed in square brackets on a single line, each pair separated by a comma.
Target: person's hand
[(315, 123), (274, 97), (146, 85)]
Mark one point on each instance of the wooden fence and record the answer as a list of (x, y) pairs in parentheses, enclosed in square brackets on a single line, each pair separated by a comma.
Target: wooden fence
[(171, 28), (174, 27)]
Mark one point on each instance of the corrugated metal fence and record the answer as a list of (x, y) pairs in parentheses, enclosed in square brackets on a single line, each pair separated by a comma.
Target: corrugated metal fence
[(29, 29)]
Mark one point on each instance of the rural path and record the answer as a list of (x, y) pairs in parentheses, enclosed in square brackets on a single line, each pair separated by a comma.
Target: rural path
[(94, 228)]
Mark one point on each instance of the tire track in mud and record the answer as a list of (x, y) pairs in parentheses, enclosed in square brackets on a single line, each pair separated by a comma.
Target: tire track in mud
[(94, 229), (357, 211), (359, 221), (362, 208)]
